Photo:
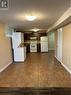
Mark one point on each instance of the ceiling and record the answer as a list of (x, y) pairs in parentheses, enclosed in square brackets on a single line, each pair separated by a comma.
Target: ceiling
[(47, 12)]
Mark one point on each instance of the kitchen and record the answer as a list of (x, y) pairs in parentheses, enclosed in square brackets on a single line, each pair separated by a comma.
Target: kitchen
[(32, 42)]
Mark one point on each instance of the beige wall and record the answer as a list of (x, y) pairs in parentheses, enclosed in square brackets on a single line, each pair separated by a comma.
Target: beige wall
[(67, 46), (5, 48)]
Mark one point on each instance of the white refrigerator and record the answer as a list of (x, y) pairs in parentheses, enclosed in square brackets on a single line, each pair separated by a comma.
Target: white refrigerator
[(19, 53), (44, 43)]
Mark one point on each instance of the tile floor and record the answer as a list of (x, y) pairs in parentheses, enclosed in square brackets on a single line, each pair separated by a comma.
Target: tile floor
[(38, 70)]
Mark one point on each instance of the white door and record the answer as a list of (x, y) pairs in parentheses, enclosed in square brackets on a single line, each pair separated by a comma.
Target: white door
[(44, 44), (59, 45)]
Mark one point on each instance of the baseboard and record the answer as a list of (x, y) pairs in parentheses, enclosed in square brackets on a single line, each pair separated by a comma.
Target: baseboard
[(5, 67), (63, 65), (51, 49), (58, 59), (66, 68)]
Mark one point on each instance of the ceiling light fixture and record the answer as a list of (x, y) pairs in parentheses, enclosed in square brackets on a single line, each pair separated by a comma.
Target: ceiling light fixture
[(36, 29), (31, 18)]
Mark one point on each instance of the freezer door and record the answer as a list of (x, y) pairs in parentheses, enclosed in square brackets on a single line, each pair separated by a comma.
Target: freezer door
[(16, 39)]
